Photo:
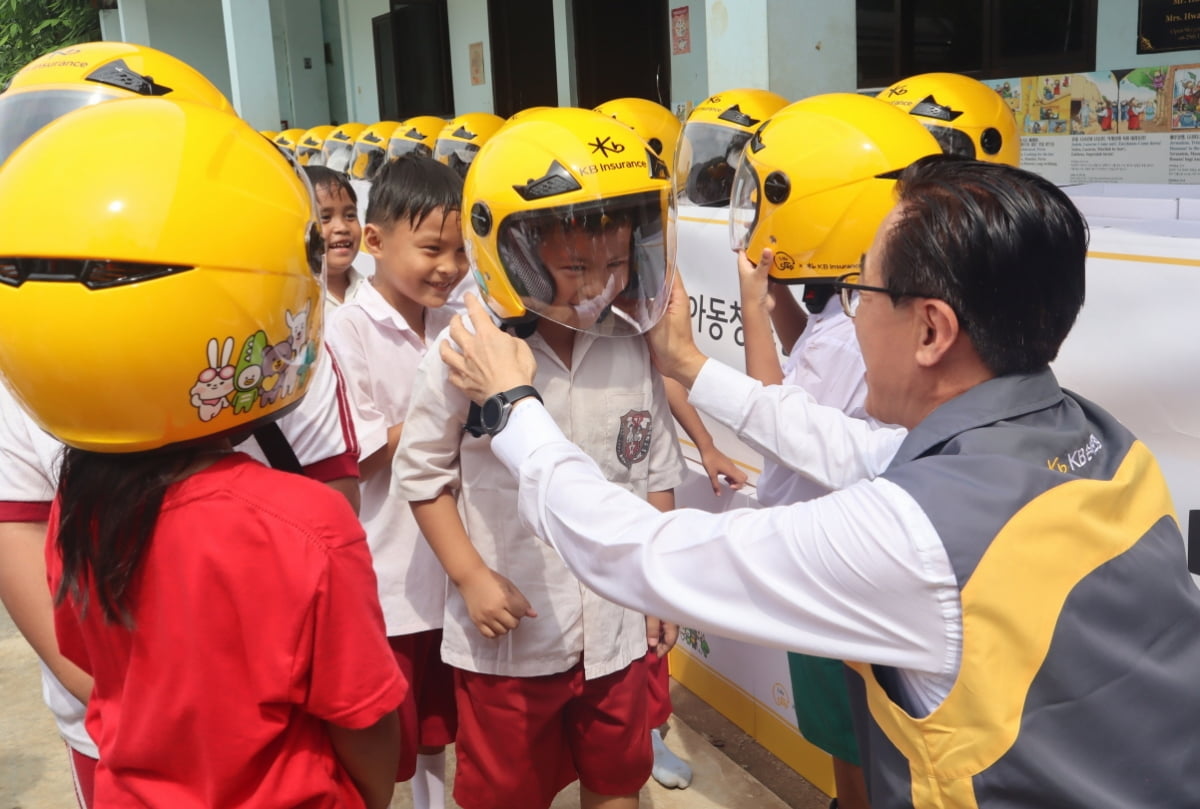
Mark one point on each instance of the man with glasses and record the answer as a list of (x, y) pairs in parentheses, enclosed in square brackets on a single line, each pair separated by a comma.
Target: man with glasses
[(1009, 573)]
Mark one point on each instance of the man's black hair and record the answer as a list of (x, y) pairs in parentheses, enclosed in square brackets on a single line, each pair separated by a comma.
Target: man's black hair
[(1003, 247), (411, 188)]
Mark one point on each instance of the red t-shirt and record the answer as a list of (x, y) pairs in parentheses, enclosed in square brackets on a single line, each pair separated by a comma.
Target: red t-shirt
[(255, 618)]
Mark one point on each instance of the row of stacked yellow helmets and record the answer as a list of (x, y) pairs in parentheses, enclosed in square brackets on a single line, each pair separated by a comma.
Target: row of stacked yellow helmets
[(153, 292)]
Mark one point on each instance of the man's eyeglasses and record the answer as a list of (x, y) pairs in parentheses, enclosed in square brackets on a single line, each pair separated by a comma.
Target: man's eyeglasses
[(848, 290)]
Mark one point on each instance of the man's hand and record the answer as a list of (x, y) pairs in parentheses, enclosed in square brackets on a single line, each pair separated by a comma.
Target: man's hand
[(487, 361), (494, 603), (672, 346), (660, 635)]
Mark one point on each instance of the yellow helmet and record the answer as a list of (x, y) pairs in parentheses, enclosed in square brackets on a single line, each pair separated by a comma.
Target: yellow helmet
[(310, 149), (965, 115), (338, 148), (570, 218), (287, 140), (816, 181), (91, 72), (653, 123), (710, 146), (269, 134), (460, 139), (417, 134), (173, 295), (370, 149)]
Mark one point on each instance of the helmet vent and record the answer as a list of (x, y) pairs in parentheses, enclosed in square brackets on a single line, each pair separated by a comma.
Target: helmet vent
[(991, 140), (735, 116), (557, 180), (371, 137), (929, 108), (464, 133), (92, 274), (776, 187), (118, 74)]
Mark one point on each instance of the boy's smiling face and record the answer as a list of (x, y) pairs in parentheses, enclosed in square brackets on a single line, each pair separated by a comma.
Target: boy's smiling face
[(421, 263), (589, 269), (339, 227)]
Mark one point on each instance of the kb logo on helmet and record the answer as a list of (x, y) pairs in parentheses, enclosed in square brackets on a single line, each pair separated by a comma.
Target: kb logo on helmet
[(606, 145)]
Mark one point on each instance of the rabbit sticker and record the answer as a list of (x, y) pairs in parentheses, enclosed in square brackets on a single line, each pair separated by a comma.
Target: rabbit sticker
[(298, 337), (214, 384)]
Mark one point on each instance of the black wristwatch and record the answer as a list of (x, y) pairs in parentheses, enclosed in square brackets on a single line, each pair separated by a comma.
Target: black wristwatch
[(493, 414)]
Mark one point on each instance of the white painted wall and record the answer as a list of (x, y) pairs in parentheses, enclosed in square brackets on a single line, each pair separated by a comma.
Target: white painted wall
[(737, 42), (564, 53), (362, 94), (305, 62), (192, 30), (468, 23), (335, 73), (811, 47), (689, 71), (1116, 39)]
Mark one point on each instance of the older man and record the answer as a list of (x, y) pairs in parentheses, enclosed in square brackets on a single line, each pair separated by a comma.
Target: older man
[(1007, 572)]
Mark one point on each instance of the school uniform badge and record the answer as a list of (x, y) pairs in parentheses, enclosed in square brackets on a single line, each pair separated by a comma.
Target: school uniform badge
[(633, 437)]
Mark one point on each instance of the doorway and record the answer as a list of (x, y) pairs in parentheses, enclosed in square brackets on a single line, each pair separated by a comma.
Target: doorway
[(622, 49), (522, 44), (412, 60)]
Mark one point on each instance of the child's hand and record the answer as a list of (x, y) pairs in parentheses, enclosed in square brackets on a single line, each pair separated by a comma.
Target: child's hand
[(755, 279), (718, 465), (494, 603), (660, 635)]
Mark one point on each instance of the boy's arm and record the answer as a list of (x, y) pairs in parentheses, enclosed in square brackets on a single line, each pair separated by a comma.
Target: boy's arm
[(764, 315), (381, 459), (494, 603), (661, 635), (716, 464), (369, 757)]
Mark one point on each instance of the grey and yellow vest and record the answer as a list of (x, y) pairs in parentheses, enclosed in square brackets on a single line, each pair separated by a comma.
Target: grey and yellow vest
[(1080, 676)]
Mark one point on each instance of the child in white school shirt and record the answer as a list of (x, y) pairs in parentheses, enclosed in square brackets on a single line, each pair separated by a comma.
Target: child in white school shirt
[(414, 234)]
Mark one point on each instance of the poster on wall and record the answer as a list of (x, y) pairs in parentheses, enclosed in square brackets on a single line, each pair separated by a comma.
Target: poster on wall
[(1123, 125), (681, 31), (1168, 25), (476, 56)]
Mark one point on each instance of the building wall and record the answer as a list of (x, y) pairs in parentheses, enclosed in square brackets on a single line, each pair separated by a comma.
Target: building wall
[(1116, 39), (811, 47), (362, 92), (194, 31), (689, 71), (468, 21), (335, 73)]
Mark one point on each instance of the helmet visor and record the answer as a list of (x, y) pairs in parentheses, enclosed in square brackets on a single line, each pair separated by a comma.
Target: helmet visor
[(368, 157), (953, 141), (338, 155), (602, 267), (456, 154), (398, 147), (310, 155), (743, 206), (708, 158), (22, 114)]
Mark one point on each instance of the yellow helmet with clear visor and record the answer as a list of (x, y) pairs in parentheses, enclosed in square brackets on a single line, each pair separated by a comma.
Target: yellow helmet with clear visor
[(570, 218), (310, 149), (370, 149), (816, 181), (966, 116), (710, 146), (338, 149), (461, 138), (287, 140), (85, 74), (416, 135), (652, 122), (138, 313)]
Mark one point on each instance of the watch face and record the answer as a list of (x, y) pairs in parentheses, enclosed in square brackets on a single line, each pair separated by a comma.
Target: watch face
[(491, 412)]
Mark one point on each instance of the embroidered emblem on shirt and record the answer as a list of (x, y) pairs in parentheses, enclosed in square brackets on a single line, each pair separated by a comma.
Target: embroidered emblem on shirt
[(633, 438)]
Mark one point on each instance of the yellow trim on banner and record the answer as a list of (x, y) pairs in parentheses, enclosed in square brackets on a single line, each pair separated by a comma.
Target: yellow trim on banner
[(1185, 262), (761, 722), (703, 221), (753, 469)]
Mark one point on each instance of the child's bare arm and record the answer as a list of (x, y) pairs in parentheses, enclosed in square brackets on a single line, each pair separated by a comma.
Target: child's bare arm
[(661, 635), (717, 464), (494, 603), (380, 461), (369, 757)]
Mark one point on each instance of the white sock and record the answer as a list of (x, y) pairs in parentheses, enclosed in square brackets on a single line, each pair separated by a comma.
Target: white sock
[(669, 769), (429, 782)]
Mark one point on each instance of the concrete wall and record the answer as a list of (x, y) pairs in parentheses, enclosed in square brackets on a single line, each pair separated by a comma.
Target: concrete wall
[(811, 47), (335, 73), (194, 31), (689, 71), (304, 58), (468, 22), (362, 92), (736, 41)]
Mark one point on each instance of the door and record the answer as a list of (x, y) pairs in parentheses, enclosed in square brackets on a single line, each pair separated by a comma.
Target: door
[(522, 44), (412, 60), (622, 48)]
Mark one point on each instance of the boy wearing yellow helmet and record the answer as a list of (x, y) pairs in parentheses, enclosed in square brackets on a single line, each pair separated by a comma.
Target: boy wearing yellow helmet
[(570, 238)]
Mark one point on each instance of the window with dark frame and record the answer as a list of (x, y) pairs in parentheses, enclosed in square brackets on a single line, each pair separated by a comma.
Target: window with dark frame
[(987, 39)]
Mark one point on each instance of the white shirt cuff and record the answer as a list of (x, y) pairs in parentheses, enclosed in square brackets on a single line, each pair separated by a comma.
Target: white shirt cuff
[(530, 427)]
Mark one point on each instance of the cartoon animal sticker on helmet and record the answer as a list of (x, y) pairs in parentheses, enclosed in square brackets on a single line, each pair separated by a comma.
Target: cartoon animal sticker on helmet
[(123, 312), (570, 219), (461, 138), (89, 73), (966, 116), (710, 146), (817, 180)]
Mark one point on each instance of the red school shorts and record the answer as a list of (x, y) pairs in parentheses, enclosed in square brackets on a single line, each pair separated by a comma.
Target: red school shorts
[(659, 683), (521, 740), (428, 715)]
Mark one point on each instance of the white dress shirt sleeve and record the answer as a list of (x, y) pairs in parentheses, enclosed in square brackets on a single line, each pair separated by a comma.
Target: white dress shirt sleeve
[(857, 575)]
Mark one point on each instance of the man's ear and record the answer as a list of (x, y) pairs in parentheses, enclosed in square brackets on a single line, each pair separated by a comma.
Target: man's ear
[(373, 240), (939, 330)]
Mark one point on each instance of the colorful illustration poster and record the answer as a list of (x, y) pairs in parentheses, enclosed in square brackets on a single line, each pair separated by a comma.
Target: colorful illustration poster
[(1185, 96), (1045, 105)]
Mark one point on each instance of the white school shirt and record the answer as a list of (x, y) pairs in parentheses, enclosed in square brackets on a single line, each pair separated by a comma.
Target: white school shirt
[(859, 574), (378, 353), (29, 461), (827, 363), (332, 303), (613, 404)]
